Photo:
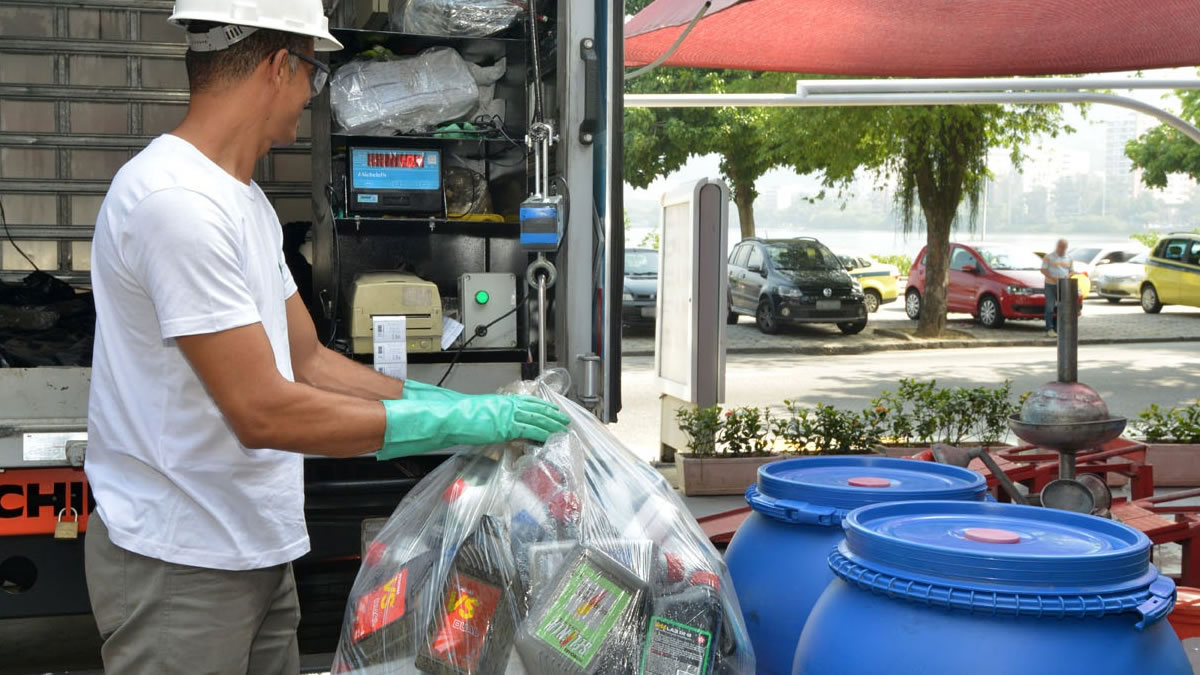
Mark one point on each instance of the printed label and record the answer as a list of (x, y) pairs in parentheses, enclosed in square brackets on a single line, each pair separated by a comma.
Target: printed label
[(368, 199), (673, 648), (584, 615), (381, 606), (48, 447), (463, 630)]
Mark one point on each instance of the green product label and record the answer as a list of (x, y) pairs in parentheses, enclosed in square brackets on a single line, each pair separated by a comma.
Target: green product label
[(583, 616), (673, 648)]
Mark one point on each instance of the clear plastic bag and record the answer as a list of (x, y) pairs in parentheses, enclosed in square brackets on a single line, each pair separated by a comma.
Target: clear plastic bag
[(572, 557), (453, 18), (406, 94)]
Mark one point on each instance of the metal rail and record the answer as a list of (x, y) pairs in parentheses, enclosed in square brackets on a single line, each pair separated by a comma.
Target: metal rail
[(965, 91), (905, 99)]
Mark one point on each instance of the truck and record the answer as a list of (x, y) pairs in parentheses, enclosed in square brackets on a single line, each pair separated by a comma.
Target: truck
[(504, 223)]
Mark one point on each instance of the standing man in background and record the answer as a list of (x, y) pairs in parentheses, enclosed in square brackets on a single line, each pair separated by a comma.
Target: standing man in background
[(1056, 265)]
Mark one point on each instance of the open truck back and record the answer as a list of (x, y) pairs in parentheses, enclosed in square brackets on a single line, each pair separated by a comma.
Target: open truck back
[(85, 84)]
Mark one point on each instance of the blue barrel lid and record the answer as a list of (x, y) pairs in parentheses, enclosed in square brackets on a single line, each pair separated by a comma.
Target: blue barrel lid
[(1003, 558), (821, 490)]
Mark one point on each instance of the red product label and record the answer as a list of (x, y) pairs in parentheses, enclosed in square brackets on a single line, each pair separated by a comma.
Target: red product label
[(463, 630), (381, 606)]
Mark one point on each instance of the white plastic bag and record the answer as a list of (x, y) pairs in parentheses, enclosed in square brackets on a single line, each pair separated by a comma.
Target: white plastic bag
[(455, 18), (572, 557), (407, 94)]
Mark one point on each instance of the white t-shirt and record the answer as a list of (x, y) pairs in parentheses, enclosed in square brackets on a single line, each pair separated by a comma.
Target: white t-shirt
[(184, 248)]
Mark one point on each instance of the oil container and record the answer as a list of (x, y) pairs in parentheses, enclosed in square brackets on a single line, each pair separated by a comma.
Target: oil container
[(946, 588), (778, 557)]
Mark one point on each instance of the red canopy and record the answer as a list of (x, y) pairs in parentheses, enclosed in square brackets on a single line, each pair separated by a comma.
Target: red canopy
[(922, 38)]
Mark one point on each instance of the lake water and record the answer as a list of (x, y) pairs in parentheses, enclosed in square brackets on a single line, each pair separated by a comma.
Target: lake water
[(889, 242)]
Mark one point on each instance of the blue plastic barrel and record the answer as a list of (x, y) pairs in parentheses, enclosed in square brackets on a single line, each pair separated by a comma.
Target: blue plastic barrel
[(941, 588), (778, 557)]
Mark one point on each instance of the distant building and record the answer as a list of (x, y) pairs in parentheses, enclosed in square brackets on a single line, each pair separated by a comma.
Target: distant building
[(1119, 175)]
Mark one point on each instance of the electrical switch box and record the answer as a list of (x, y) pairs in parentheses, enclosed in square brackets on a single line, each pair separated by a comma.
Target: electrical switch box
[(490, 300)]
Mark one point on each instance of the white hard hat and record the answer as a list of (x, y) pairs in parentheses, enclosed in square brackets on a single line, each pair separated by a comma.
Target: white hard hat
[(303, 17)]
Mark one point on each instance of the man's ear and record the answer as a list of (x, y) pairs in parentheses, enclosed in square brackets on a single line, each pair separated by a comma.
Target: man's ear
[(278, 67)]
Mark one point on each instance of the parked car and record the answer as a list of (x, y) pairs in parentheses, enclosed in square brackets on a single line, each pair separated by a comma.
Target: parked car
[(991, 282), (782, 281), (1117, 281), (1172, 273), (638, 302), (880, 281), (1087, 257)]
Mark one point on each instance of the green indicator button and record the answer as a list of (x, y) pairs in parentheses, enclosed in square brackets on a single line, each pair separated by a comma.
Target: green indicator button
[(482, 297)]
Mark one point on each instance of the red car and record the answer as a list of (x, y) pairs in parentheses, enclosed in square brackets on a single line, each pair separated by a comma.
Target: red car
[(990, 282)]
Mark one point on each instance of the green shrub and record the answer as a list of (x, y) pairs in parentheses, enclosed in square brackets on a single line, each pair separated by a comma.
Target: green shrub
[(1180, 424), (902, 262)]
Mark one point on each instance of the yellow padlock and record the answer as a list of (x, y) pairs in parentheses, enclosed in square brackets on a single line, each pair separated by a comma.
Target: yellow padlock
[(68, 529)]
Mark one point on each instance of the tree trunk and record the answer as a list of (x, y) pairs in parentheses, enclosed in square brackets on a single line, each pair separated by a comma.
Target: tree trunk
[(744, 199), (939, 183), (937, 276)]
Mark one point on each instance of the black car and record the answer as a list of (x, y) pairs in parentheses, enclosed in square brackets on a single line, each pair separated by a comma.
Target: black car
[(779, 281), (638, 303)]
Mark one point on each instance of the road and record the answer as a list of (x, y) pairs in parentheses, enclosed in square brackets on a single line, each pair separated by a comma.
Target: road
[(1130, 377)]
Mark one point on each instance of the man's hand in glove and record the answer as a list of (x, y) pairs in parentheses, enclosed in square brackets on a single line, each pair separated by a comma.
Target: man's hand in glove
[(416, 426)]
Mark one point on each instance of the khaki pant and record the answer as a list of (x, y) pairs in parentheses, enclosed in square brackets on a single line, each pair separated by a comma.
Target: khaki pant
[(160, 618)]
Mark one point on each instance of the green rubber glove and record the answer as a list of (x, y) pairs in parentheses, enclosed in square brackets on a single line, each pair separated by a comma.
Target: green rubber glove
[(419, 391), (414, 427)]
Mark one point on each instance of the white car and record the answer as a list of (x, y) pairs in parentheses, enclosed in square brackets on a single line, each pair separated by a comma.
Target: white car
[(1117, 281), (1087, 257)]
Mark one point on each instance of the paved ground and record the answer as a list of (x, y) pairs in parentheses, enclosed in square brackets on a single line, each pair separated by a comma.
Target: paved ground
[(1101, 323)]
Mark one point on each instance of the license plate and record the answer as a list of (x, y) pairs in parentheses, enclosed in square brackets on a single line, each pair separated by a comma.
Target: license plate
[(370, 530), (648, 312), (826, 305)]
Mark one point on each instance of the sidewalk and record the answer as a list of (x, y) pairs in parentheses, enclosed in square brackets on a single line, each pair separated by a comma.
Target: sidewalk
[(890, 330)]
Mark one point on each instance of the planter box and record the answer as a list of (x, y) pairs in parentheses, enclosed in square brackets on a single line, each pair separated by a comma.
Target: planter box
[(718, 475), (909, 451), (1175, 464)]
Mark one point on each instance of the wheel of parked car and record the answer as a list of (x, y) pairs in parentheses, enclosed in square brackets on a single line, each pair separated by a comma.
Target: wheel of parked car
[(1150, 301), (912, 304), (731, 316), (768, 323), (1113, 301), (872, 299), (852, 327), (990, 313)]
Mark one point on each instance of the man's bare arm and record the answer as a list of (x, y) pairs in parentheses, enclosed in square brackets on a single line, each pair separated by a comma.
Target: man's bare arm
[(265, 410)]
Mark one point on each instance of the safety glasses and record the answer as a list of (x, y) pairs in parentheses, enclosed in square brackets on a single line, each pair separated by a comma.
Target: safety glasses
[(320, 73)]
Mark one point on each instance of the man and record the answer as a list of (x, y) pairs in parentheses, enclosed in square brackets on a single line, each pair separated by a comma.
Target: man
[(1056, 265), (208, 380)]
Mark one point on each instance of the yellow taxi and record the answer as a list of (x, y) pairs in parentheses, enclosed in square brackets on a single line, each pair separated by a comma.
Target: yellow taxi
[(1172, 273), (880, 281)]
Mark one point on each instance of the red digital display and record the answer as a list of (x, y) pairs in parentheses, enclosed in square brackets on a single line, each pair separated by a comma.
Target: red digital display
[(396, 160)]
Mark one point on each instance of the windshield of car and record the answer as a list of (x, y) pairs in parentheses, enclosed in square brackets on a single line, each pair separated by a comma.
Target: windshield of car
[(1083, 255), (641, 263), (1139, 259), (803, 255), (1010, 259)]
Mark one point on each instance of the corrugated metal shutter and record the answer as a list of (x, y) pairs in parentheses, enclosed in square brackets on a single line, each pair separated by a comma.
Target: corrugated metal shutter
[(84, 85)]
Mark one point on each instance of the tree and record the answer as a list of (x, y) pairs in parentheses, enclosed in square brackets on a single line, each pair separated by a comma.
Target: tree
[(658, 142), (1164, 150), (937, 158)]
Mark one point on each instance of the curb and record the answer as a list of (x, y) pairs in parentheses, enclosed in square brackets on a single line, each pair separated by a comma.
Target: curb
[(914, 345)]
